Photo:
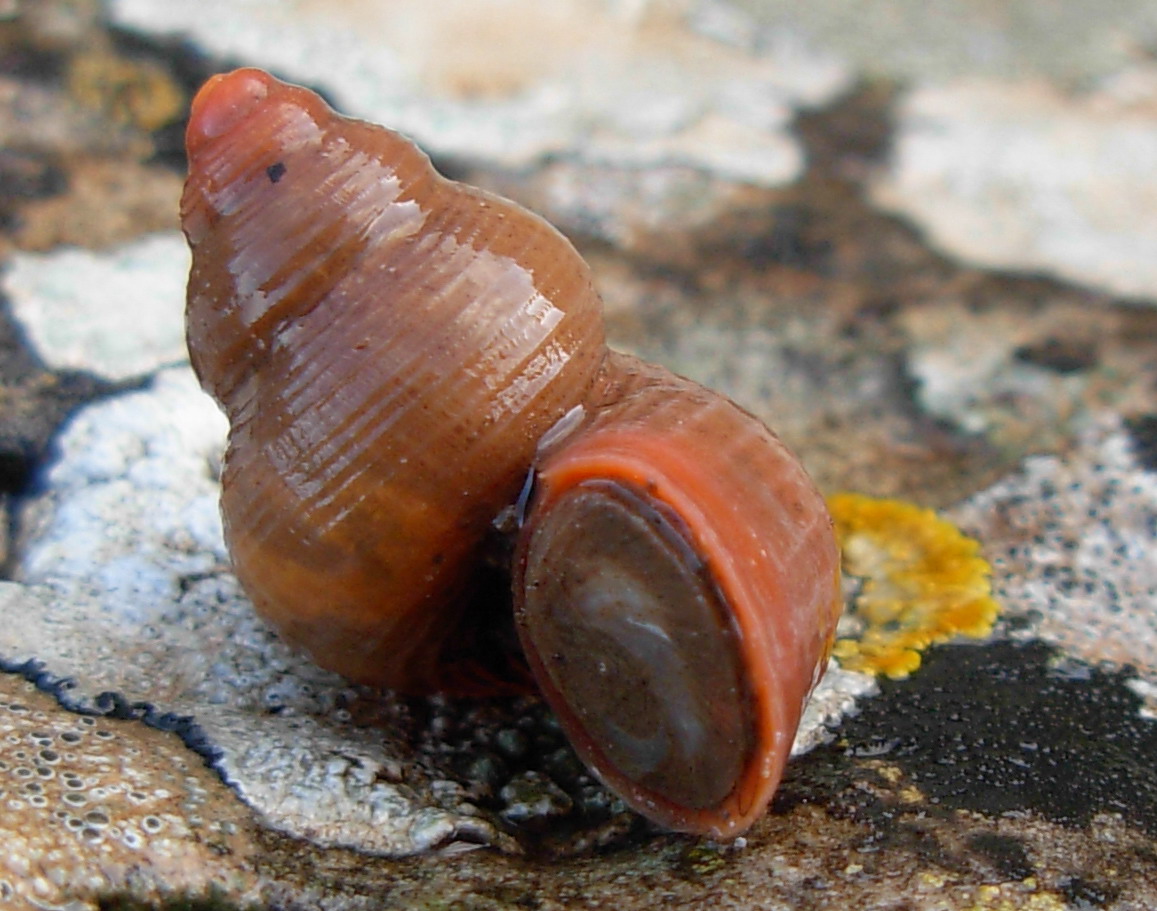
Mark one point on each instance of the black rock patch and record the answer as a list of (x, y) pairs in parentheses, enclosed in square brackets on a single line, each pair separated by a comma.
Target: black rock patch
[(1143, 433), (1010, 726)]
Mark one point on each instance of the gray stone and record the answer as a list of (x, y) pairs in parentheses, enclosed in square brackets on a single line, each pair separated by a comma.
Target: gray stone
[(1024, 176), (624, 84), (1073, 548), (118, 314)]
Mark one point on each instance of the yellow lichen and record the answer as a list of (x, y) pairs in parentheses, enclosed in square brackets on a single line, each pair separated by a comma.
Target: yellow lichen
[(135, 93), (1013, 896), (923, 581)]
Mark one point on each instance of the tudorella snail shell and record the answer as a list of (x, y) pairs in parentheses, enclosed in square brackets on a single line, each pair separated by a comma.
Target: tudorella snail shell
[(388, 346), (397, 353)]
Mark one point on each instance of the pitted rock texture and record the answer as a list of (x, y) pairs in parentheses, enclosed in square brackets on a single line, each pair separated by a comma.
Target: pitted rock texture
[(94, 806), (1073, 544)]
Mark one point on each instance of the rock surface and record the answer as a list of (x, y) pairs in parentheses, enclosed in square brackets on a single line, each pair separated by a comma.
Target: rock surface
[(620, 84), (734, 172), (94, 806), (1070, 193)]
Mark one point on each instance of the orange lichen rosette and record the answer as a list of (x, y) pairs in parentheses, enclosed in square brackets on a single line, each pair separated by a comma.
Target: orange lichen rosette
[(923, 581)]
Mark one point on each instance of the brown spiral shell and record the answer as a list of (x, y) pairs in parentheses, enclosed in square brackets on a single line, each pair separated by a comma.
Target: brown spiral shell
[(446, 316), (396, 353)]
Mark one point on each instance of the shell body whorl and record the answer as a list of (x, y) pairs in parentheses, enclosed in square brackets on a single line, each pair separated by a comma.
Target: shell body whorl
[(389, 346), (681, 671)]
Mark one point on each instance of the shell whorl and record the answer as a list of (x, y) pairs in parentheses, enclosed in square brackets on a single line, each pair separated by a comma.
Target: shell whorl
[(676, 591), (388, 345)]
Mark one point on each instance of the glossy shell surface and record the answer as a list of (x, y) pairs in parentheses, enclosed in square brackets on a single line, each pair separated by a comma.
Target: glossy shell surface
[(389, 347), (398, 355), (676, 592)]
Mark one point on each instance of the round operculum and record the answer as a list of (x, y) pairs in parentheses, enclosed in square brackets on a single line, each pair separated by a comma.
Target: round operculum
[(636, 649)]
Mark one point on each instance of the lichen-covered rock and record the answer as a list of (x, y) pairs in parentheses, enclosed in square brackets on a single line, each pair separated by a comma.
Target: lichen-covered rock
[(118, 314), (94, 806), (895, 369), (1023, 176), (1073, 544), (624, 85)]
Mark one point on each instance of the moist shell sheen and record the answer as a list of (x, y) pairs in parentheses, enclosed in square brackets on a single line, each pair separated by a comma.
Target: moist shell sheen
[(389, 346), (397, 354)]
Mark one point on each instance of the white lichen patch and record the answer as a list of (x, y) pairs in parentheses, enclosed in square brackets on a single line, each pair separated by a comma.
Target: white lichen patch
[(968, 373), (1148, 693), (1073, 545), (832, 699), (128, 592), (134, 497), (1026, 379), (1022, 176), (91, 806), (623, 84), (117, 314)]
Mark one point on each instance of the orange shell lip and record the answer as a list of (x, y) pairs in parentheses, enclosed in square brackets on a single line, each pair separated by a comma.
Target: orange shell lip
[(223, 102)]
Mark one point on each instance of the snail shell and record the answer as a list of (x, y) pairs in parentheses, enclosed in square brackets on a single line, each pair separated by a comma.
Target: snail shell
[(389, 347), (395, 353)]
